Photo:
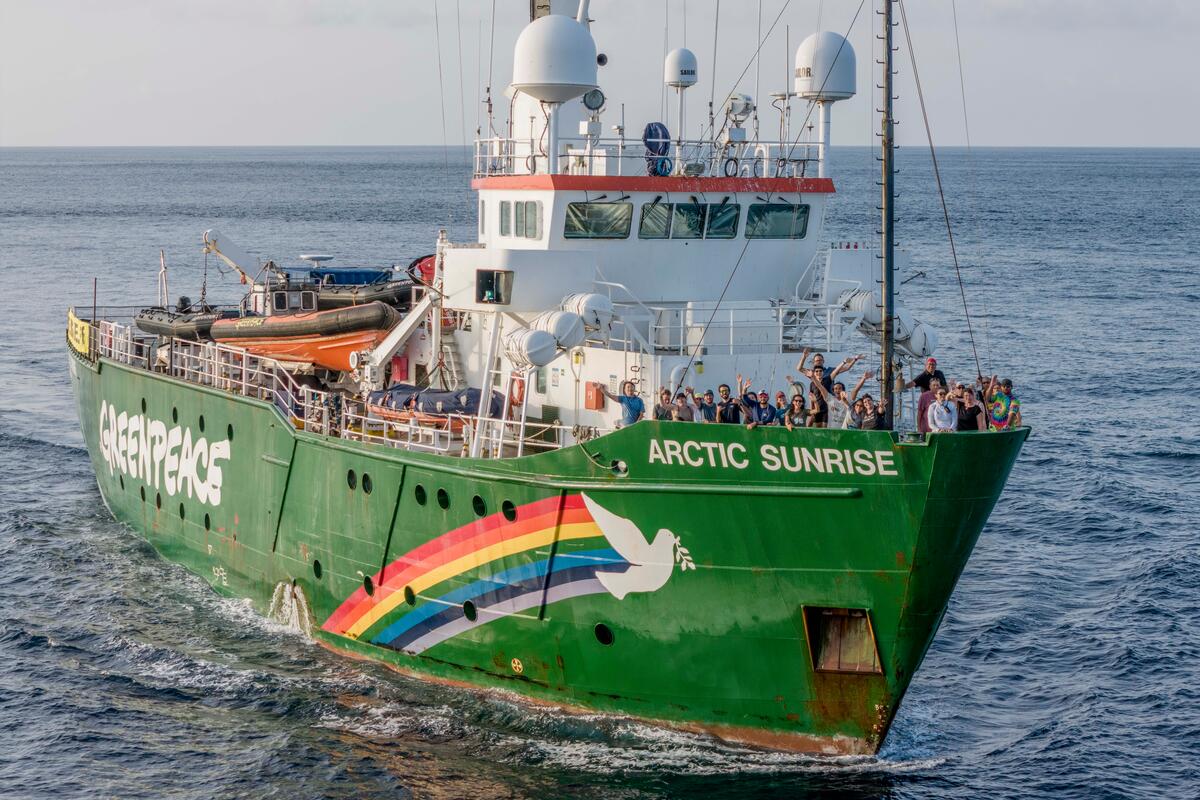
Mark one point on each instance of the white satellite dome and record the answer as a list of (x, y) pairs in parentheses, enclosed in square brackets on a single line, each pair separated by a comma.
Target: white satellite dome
[(680, 68), (825, 67), (554, 60)]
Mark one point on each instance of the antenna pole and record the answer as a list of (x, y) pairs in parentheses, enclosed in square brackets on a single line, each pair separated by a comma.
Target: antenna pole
[(888, 232)]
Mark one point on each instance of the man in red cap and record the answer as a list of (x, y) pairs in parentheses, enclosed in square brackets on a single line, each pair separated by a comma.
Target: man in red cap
[(931, 371)]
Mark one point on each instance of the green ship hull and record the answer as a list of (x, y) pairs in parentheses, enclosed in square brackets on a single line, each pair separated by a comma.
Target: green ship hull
[(769, 587)]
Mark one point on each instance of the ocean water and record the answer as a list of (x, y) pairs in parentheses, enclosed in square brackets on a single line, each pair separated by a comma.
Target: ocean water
[(1068, 664)]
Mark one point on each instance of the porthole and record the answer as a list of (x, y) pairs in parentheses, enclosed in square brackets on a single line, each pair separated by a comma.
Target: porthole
[(229, 432), (351, 479), (367, 484), (143, 405), (182, 515), (174, 414), (317, 569), (443, 498), (469, 611), (479, 506), (620, 468), (508, 510), (368, 586), (207, 523), (419, 494), (202, 423), (158, 499), (142, 492), (604, 634), (121, 480), (409, 597)]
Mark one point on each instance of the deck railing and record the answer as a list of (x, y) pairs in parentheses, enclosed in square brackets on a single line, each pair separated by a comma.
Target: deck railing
[(618, 156), (235, 370)]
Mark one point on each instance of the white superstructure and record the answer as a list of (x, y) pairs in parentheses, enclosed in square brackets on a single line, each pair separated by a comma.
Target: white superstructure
[(659, 259)]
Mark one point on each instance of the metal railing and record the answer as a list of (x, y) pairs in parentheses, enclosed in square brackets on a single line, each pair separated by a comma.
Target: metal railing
[(235, 370), (735, 328), (619, 156)]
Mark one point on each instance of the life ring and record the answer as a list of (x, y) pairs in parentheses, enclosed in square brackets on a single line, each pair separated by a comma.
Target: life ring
[(516, 393), (731, 167)]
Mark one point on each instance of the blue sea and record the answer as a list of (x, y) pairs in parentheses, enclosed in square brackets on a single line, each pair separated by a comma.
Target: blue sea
[(1068, 663)]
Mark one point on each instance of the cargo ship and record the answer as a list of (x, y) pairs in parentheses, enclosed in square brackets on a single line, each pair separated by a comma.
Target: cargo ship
[(448, 488)]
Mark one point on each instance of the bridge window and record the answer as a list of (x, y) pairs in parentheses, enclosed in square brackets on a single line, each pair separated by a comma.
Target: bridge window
[(520, 218), (656, 221), (598, 220), (722, 221), (687, 222), (777, 221)]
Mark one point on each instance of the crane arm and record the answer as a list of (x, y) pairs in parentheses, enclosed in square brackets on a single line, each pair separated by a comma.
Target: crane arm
[(237, 258)]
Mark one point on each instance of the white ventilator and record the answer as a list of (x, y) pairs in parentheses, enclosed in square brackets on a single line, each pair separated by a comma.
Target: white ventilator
[(825, 73)]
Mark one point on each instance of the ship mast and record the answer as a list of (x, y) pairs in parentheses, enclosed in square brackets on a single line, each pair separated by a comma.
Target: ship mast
[(888, 230)]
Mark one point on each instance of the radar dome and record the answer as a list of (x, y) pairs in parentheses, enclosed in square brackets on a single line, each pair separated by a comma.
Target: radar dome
[(680, 68), (825, 67), (554, 60)]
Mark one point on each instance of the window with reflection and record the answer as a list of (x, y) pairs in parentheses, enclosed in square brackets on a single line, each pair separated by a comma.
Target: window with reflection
[(598, 220), (687, 221), (777, 221), (656, 221), (722, 221)]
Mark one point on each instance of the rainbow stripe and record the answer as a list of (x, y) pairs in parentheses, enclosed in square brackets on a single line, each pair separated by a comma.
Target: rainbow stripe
[(469, 548)]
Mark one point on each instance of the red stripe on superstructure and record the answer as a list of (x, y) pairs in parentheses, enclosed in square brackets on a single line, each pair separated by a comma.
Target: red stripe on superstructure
[(457, 543), (647, 183)]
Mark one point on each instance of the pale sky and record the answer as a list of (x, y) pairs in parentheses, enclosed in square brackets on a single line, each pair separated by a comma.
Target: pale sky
[(365, 72)]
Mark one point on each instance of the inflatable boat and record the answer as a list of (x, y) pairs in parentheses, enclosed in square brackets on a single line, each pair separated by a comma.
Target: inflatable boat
[(322, 338), (178, 324)]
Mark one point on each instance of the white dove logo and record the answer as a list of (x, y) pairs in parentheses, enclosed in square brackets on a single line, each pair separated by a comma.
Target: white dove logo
[(651, 563)]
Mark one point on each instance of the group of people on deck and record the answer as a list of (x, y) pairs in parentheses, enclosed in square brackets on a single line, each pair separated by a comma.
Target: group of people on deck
[(942, 407)]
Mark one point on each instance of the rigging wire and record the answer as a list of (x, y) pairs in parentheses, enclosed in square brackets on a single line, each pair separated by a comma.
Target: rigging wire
[(662, 102), (712, 92), (437, 30), (491, 63), (754, 60), (462, 113), (746, 244), (971, 193), (757, 72), (938, 178)]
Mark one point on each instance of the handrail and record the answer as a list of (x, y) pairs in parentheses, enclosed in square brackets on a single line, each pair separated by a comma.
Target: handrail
[(500, 155)]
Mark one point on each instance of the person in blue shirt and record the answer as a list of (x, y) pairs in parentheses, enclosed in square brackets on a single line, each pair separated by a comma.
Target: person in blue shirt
[(633, 408), (758, 409)]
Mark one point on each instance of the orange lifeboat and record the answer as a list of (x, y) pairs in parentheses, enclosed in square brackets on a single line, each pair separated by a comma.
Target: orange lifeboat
[(323, 338)]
